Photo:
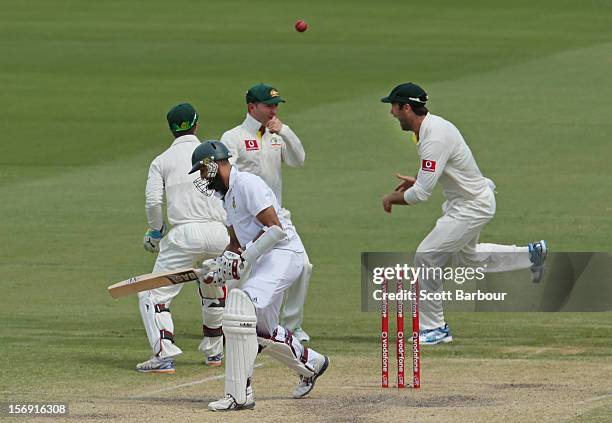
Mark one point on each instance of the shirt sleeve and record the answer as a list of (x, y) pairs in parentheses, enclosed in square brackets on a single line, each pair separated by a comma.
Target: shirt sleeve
[(257, 195), (229, 142), (434, 155), (292, 152), (154, 196)]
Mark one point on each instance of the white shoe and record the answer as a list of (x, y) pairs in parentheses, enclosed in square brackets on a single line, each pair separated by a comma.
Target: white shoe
[(441, 335), (228, 403), (156, 365), (306, 384), (301, 335)]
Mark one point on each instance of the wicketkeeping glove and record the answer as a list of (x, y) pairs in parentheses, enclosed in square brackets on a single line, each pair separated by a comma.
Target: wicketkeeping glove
[(152, 238)]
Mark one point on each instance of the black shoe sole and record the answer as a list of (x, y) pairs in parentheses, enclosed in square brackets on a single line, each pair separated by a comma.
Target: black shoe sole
[(237, 408)]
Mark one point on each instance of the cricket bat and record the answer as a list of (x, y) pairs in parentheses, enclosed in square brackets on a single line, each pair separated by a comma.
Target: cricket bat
[(152, 281)]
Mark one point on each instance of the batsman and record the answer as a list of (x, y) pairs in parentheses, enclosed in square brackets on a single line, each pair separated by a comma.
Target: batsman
[(267, 248)]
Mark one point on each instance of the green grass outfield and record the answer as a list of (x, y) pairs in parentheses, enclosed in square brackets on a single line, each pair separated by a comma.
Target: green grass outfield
[(85, 88)]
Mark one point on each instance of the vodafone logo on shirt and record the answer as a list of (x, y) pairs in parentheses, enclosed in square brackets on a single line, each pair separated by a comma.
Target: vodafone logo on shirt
[(428, 165), (251, 145)]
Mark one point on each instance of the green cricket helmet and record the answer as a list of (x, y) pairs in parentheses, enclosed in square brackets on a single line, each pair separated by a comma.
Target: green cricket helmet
[(206, 155)]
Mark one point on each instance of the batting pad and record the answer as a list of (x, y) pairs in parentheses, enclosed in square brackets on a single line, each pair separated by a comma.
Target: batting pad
[(283, 352), (155, 322), (239, 321)]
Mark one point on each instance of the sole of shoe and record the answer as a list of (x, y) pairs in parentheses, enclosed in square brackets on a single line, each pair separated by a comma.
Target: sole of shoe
[(544, 250), (250, 406), (165, 371), (444, 340)]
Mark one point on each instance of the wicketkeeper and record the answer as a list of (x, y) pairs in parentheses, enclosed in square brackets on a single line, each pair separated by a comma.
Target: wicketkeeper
[(197, 233), (264, 243)]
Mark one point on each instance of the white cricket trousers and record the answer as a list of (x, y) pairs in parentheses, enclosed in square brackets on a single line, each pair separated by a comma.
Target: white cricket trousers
[(186, 245), (455, 239), (292, 310), (270, 277)]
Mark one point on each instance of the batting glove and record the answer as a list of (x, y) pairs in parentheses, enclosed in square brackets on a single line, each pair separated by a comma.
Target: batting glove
[(152, 238), (233, 266), (210, 273)]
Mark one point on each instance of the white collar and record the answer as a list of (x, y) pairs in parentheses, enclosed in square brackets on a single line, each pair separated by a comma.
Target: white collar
[(251, 124), (424, 125), (185, 138), (232, 178)]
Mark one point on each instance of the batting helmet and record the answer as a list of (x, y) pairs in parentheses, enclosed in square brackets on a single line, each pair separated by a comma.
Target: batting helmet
[(206, 152)]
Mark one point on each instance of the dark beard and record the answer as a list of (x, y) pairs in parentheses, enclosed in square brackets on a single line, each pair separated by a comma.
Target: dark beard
[(217, 185), (405, 126)]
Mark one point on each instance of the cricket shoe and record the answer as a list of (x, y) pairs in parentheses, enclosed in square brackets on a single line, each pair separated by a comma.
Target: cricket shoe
[(214, 360), (306, 384), (441, 335), (156, 365), (228, 403), (301, 335), (537, 255)]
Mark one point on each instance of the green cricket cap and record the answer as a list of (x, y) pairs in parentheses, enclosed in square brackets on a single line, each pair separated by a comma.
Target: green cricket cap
[(406, 93), (182, 117), (263, 93)]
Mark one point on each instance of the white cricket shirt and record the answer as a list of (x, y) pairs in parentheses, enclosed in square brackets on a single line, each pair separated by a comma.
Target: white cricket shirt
[(168, 174), (246, 196), (263, 153), (446, 158)]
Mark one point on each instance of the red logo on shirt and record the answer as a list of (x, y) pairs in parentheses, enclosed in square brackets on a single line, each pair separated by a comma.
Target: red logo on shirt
[(251, 145), (428, 165)]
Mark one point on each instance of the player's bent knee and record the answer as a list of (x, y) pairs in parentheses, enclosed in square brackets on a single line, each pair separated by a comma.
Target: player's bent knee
[(426, 258), (281, 346)]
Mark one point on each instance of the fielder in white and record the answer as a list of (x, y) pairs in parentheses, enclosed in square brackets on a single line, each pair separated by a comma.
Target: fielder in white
[(197, 233), (260, 145), (266, 247), (470, 205)]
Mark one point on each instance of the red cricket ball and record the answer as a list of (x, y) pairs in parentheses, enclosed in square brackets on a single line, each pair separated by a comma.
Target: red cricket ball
[(301, 26)]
